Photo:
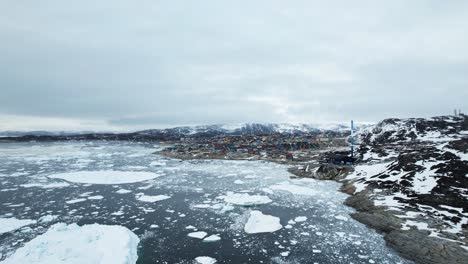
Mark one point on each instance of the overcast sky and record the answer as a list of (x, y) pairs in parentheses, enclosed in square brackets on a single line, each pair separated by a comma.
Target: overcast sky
[(113, 65)]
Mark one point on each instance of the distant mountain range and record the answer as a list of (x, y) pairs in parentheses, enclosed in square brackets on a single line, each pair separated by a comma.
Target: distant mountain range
[(204, 130)]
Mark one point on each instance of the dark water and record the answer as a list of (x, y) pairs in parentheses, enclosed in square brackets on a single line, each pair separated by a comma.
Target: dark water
[(26, 193)]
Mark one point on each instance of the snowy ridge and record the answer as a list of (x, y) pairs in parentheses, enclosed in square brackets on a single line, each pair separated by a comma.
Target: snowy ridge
[(418, 167), (254, 128)]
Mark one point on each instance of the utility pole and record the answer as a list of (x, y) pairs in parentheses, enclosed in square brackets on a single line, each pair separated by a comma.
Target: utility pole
[(352, 138)]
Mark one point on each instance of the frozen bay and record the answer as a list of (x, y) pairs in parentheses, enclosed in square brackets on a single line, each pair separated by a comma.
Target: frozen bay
[(163, 200)]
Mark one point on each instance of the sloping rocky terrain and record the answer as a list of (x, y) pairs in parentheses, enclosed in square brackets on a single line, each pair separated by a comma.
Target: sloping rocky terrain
[(412, 185)]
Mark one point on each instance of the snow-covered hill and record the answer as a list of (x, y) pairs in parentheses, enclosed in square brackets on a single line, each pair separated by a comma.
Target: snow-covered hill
[(419, 169), (252, 129)]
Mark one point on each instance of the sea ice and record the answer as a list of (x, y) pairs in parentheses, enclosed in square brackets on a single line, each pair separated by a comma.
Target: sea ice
[(79, 200), (212, 238), (48, 218), (95, 197), (205, 260), (152, 199), (123, 191), (10, 224), (261, 223), (294, 189), (245, 199), (105, 177), (300, 219), (199, 234), (75, 244), (157, 163)]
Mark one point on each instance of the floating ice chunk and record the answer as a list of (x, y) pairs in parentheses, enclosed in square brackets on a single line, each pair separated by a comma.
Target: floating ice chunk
[(79, 244), (238, 182), (300, 219), (201, 206), (316, 251), (123, 191), (79, 200), (152, 199), (267, 190), (199, 234), (190, 227), (10, 224), (285, 254), (48, 218), (294, 189), (205, 260), (245, 199), (342, 218), (261, 223), (105, 177), (46, 185), (96, 197), (158, 163), (212, 238)]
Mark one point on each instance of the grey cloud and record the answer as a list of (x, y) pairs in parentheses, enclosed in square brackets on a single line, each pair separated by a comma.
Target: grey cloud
[(155, 63)]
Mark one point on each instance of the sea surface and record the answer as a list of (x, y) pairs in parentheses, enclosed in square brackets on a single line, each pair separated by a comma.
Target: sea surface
[(195, 188)]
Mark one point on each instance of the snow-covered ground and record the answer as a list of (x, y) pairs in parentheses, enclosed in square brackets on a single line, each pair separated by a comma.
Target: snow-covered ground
[(418, 168), (190, 212)]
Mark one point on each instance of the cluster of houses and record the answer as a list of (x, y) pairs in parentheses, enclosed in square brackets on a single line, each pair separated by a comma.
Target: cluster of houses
[(268, 147)]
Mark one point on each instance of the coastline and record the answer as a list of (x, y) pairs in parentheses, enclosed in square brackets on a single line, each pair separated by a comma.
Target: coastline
[(412, 244)]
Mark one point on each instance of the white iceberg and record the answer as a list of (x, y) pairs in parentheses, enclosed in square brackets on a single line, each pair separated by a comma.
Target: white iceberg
[(261, 223), (152, 199), (10, 224), (300, 219), (105, 177), (48, 218), (199, 234), (205, 260), (75, 244), (245, 199), (212, 238)]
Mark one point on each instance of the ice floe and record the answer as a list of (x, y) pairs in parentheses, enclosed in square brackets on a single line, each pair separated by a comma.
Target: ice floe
[(123, 191), (73, 201), (198, 234), (48, 218), (300, 219), (72, 244), (293, 188), (152, 199), (212, 238), (205, 260), (245, 199), (11, 224), (262, 223), (105, 177)]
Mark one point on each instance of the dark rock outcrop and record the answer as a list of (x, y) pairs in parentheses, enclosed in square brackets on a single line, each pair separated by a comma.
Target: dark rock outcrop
[(427, 250)]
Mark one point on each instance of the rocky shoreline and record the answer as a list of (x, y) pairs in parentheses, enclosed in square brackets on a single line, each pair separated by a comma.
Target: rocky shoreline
[(413, 244)]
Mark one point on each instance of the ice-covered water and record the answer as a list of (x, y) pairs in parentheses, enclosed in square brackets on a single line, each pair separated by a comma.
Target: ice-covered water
[(185, 197)]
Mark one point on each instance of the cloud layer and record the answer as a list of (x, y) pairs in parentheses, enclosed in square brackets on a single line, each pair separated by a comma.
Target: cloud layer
[(128, 65)]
